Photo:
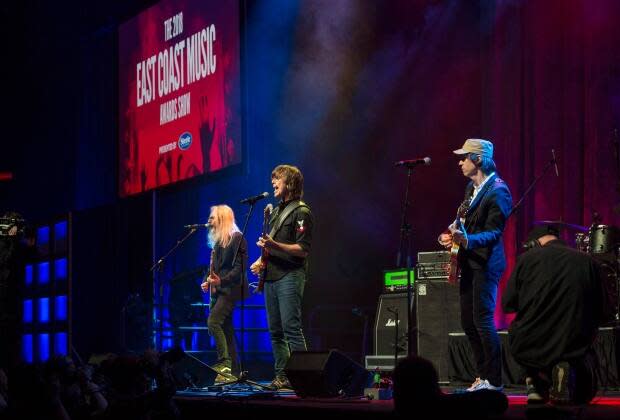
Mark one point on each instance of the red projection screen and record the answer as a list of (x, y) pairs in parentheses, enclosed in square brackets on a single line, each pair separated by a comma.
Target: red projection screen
[(179, 93)]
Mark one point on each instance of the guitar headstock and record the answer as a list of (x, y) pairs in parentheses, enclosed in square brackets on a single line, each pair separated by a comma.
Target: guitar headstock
[(268, 209)]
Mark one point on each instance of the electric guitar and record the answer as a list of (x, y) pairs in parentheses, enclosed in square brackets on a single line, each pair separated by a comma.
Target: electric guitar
[(453, 267), (264, 255), (212, 289)]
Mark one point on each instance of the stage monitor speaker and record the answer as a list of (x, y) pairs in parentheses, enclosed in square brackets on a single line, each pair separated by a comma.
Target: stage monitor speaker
[(326, 374), (190, 372), (437, 315), (385, 324)]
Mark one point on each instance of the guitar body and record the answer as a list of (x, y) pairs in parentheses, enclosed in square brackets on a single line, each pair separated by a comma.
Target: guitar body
[(453, 267), (212, 289), (264, 255)]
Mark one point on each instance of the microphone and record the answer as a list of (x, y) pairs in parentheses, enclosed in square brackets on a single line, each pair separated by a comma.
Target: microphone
[(198, 226), (252, 200), (409, 163), (555, 162)]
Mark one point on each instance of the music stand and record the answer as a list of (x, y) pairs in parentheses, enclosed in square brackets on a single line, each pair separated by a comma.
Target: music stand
[(159, 267)]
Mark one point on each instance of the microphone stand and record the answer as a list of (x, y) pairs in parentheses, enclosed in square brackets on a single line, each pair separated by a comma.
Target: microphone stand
[(529, 188), (396, 335), (243, 375), (405, 239), (158, 266)]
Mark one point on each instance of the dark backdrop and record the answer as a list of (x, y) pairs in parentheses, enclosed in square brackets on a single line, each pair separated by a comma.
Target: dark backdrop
[(342, 89)]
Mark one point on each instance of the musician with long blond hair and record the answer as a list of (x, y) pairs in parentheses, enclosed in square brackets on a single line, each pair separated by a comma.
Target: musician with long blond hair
[(227, 283)]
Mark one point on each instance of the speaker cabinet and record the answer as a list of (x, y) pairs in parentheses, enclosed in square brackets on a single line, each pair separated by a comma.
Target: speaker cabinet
[(387, 332), (437, 315), (191, 372), (326, 374)]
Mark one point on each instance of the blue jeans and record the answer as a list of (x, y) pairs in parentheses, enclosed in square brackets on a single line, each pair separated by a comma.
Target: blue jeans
[(283, 303)]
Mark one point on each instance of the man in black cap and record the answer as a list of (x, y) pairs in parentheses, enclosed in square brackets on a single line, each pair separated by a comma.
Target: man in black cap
[(481, 257), (557, 295)]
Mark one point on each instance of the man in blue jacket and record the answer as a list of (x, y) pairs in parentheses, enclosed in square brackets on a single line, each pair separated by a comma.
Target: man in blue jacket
[(481, 257)]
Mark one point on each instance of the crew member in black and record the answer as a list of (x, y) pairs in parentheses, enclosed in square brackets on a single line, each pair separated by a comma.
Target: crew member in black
[(288, 246), (557, 294), (227, 284)]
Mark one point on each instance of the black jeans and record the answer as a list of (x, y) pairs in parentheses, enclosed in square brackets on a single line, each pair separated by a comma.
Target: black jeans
[(220, 324), (478, 290)]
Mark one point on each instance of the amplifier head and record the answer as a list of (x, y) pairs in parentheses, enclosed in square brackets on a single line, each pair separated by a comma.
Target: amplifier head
[(434, 257)]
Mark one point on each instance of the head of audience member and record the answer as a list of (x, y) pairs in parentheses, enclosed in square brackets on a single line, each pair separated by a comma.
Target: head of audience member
[(416, 384)]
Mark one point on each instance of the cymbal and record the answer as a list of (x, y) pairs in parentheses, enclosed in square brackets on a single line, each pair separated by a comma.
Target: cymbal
[(562, 224)]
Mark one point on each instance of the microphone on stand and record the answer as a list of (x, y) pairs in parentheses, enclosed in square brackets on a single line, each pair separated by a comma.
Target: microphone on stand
[(198, 226), (254, 199), (555, 162), (414, 162)]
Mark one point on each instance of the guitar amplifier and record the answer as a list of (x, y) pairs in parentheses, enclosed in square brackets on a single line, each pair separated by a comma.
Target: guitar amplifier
[(433, 265), (437, 315)]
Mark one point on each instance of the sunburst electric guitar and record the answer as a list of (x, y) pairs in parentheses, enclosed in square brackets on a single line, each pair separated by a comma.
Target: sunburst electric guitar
[(264, 255), (453, 267)]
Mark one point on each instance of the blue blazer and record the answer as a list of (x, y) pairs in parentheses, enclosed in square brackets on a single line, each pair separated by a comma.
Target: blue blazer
[(484, 223)]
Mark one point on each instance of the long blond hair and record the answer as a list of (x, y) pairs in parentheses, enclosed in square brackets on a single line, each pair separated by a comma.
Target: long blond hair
[(226, 226)]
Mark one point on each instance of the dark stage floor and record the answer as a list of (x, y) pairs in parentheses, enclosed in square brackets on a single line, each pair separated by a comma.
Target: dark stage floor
[(241, 402)]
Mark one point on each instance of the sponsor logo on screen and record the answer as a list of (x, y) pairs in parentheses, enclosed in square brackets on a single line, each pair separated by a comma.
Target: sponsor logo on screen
[(185, 140)]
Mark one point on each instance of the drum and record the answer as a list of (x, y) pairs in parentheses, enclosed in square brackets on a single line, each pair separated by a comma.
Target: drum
[(581, 242), (603, 239)]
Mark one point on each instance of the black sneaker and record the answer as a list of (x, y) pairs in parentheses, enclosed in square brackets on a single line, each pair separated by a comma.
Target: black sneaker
[(535, 394), (280, 383)]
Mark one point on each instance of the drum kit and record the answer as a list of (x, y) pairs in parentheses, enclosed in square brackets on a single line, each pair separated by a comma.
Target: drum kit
[(602, 242)]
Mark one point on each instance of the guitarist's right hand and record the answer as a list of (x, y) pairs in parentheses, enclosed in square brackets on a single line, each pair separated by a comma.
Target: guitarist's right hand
[(257, 267), (205, 286), (445, 240)]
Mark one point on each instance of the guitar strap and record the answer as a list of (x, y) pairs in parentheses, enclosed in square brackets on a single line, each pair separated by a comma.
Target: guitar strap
[(282, 216)]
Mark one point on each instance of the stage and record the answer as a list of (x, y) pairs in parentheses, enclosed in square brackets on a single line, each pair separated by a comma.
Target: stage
[(238, 403)]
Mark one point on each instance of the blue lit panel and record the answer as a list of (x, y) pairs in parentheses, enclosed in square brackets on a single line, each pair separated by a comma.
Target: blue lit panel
[(60, 269), (44, 347), (27, 317), (60, 344), (60, 308), (60, 238), (194, 340), (167, 343), (27, 347), (29, 274), (43, 314), (43, 273), (255, 341), (43, 240), (252, 318), (255, 299)]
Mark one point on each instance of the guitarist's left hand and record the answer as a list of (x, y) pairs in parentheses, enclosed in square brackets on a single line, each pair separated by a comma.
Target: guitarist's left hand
[(266, 242)]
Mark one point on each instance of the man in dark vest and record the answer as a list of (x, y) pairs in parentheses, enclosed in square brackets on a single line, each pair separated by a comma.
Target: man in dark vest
[(285, 267)]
